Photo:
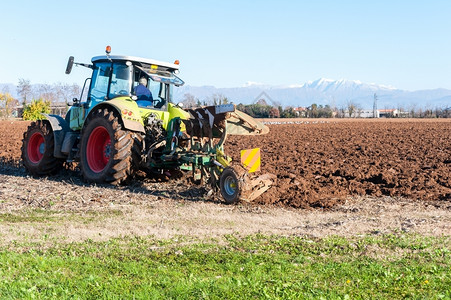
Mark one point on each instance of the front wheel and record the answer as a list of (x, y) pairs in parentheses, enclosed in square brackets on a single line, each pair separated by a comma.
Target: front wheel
[(105, 153), (230, 185), (37, 149)]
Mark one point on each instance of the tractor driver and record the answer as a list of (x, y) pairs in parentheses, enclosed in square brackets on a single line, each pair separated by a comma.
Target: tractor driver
[(142, 92)]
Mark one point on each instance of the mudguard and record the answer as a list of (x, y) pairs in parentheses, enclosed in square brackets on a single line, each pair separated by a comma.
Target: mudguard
[(59, 127), (128, 110)]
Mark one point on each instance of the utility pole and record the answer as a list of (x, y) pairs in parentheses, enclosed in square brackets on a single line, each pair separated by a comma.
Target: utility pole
[(375, 106)]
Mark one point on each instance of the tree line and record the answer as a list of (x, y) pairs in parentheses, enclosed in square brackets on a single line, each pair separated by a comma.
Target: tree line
[(261, 109)]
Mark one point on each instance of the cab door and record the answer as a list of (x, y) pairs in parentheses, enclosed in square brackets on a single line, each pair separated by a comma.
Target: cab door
[(77, 112), (98, 91)]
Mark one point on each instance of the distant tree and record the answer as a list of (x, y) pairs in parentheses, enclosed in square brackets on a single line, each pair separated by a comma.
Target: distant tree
[(288, 113), (24, 89), (400, 111), (34, 110), (412, 110), (255, 110), (359, 112), (64, 92), (189, 101), (218, 99), (46, 92), (312, 111), (351, 109), (437, 112), (420, 113), (7, 102), (341, 112), (274, 112), (75, 92), (318, 111), (447, 112), (325, 112), (241, 107)]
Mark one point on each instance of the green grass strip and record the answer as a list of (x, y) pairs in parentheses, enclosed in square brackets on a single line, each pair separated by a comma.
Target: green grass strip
[(273, 267)]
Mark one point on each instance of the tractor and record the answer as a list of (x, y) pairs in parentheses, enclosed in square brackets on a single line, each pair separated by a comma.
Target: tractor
[(113, 133)]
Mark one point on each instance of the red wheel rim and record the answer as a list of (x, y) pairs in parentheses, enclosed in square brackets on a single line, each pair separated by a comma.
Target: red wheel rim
[(36, 147), (98, 149)]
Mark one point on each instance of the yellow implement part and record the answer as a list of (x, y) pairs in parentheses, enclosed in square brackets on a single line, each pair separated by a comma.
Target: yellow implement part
[(250, 158), (222, 159)]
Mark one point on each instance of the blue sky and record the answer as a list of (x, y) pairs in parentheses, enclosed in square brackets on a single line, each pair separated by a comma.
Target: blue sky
[(405, 44)]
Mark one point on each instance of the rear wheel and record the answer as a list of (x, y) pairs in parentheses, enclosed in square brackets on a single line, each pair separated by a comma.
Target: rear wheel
[(137, 149), (230, 186), (105, 153), (37, 149)]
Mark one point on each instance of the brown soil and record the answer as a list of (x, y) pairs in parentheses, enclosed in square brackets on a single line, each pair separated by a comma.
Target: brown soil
[(321, 163), (11, 134)]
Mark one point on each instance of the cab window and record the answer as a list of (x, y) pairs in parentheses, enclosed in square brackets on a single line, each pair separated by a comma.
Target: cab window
[(120, 81), (157, 88), (99, 81)]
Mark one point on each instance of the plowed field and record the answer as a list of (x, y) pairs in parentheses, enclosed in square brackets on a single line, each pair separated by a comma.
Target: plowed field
[(321, 163)]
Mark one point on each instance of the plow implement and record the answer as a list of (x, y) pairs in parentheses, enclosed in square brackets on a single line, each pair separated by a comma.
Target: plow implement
[(206, 132)]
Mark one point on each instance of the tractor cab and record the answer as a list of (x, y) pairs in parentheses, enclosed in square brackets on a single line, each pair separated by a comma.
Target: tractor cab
[(117, 77)]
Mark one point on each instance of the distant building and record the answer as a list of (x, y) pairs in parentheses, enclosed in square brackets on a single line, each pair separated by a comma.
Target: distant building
[(379, 113), (388, 113), (367, 113), (300, 111)]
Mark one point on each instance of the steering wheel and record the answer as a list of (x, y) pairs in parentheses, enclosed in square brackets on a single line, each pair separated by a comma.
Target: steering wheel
[(158, 103), (122, 92)]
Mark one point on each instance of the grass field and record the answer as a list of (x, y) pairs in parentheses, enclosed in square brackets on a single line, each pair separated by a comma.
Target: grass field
[(369, 267)]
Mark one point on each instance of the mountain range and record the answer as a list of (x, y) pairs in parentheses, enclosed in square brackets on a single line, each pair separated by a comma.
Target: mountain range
[(336, 93)]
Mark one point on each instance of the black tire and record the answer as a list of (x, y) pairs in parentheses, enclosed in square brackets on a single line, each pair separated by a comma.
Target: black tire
[(230, 185), (37, 149), (105, 148), (137, 151)]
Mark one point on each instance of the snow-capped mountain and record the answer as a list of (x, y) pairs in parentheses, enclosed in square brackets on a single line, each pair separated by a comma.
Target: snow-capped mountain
[(334, 85), (324, 91)]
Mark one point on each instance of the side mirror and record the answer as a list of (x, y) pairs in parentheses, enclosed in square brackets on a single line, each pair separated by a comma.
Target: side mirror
[(70, 64)]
